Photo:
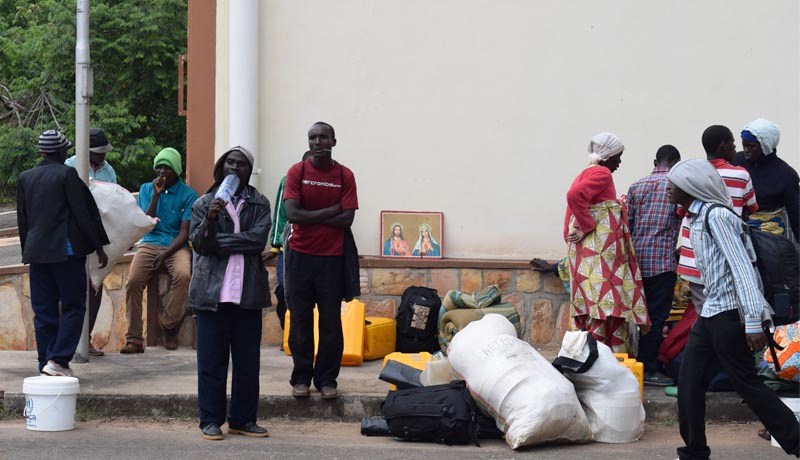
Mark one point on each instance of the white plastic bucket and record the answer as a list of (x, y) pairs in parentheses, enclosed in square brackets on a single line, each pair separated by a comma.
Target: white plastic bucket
[(794, 405), (50, 402)]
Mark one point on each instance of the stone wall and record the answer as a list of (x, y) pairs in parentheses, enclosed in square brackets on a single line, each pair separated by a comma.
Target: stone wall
[(540, 299)]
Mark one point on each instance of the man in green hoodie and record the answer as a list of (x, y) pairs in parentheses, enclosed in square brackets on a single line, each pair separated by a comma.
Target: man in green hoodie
[(275, 246), (170, 200)]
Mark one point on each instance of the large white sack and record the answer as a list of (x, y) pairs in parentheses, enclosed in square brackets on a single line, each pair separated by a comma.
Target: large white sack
[(608, 391), (529, 399), (125, 224)]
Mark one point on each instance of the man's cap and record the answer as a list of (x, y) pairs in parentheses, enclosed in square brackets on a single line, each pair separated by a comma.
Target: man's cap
[(169, 157), (98, 142), (52, 141)]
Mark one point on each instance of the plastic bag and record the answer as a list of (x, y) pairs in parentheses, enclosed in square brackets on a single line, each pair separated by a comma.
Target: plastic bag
[(437, 371), (125, 224), (608, 391)]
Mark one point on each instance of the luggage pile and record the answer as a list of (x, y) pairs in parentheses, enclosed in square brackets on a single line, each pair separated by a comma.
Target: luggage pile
[(491, 384)]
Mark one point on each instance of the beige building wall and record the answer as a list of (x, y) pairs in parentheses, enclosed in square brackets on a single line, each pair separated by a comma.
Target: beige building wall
[(483, 109)]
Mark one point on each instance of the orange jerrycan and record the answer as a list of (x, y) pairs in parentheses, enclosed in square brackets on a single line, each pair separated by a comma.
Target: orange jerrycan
[(353, 314), (379, 337)]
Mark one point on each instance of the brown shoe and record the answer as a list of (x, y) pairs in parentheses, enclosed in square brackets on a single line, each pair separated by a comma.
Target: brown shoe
[(329, 393), (95, 352), (301, 390), (171, 340), (131, 348)]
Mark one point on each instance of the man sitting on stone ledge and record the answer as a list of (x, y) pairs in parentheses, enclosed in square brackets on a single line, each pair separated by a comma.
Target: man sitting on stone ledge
[(170, 200)]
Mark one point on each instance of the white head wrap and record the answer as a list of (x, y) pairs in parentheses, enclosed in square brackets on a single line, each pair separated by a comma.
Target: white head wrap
[(699, 179), (767, 133), (604, 146)]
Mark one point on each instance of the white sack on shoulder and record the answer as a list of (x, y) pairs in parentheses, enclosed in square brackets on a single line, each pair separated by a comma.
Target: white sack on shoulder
[(529, 399), (608, 391), (125, 224)]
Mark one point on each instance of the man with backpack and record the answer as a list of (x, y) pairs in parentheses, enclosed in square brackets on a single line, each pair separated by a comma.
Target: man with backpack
[(321, 202), (733, 297)]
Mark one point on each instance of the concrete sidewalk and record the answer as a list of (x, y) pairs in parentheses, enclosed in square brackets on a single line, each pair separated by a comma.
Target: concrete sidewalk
[(161, 383)]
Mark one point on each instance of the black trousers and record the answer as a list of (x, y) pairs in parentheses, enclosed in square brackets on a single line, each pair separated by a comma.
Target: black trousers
[(280, 309), (721, 338), (228, 333), (315, 280), (659, 291), (58, 333)]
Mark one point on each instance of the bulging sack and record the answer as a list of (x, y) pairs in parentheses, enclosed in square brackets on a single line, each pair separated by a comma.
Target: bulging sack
[(528, 398), (125, 224), (608, 391)]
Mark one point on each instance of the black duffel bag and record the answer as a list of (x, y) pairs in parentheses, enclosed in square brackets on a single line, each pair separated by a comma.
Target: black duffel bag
[(440, 413)]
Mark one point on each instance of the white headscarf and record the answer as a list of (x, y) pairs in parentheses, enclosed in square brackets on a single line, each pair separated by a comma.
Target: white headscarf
[(701, 180), (604, 146), (767, 133)]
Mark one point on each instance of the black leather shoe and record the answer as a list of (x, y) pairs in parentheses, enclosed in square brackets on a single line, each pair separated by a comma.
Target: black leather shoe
[(212, 432), (250, 429)]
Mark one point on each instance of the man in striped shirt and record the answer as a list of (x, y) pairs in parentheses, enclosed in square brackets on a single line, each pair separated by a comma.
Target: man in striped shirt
[(733, 298), (740, 188)]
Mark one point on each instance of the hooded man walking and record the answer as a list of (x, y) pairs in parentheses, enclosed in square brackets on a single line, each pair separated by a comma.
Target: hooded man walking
[(728, 329)]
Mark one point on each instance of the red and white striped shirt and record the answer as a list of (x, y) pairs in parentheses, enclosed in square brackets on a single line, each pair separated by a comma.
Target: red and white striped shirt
[(740, 188)]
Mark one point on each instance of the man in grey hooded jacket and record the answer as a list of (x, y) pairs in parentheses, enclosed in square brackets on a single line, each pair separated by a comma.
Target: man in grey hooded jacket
[(229, 288)]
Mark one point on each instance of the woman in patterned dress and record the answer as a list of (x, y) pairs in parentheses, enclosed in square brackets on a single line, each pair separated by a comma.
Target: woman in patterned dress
[(606, 294)]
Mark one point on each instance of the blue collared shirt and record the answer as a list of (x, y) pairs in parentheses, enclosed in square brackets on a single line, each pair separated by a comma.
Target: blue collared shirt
[(725, 267), (174, 206), (105, 173)]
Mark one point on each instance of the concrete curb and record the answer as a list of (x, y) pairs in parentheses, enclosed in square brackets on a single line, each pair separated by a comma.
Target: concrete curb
[(720, 407)]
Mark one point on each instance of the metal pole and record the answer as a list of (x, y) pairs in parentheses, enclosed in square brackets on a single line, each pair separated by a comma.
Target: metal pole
[(83, 94), (243, 62)]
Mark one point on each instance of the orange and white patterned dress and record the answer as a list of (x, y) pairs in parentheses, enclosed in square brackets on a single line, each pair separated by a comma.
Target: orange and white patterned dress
[(607, 295)]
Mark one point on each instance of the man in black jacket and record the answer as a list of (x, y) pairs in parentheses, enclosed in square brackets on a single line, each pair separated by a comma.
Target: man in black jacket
[(228, 290), (59, 225)]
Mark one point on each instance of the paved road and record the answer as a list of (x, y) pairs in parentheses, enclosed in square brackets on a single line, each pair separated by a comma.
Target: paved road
[(126, 439)]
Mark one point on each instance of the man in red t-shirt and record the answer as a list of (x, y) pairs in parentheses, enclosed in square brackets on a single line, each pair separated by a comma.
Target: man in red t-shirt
[(321, 201)]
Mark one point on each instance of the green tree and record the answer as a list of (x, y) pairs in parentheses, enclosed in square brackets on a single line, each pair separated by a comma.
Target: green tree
[(134, 47)]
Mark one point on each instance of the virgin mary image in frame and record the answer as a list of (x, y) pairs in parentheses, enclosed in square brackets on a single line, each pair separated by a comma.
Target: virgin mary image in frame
[(426, 246)]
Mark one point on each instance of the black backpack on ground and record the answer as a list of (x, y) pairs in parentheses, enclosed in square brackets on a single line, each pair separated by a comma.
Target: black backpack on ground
[(440, 413), (417, 320)]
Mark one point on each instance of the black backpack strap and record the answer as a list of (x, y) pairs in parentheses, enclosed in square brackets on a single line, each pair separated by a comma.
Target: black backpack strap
[(563, 363), (708, 213), (772, 345)]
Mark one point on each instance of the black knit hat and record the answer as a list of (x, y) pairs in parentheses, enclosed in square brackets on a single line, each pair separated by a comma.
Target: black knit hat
[(52, 141)]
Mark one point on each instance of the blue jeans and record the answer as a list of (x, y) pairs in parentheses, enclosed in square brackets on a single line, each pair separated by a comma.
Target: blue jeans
[(64, 283)]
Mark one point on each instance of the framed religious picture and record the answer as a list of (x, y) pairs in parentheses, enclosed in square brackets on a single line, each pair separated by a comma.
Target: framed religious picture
[(412, 234)]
